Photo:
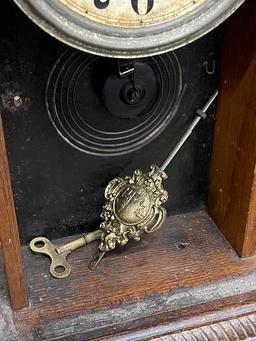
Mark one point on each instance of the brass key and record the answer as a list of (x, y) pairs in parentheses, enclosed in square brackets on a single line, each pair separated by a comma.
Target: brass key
[(60, 268)]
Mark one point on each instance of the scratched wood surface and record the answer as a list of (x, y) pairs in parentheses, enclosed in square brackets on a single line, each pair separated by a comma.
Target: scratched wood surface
[(232, 187), (9, 235), (177, 268)]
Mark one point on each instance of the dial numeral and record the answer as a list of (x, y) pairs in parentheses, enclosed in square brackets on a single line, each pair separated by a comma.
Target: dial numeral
[(135, 6), (101, 4)]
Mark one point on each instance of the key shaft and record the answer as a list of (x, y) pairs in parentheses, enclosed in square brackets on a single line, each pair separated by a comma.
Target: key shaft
[(77, 243)]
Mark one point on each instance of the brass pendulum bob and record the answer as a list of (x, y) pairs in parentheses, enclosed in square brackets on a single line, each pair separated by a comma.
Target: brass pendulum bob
[(134, 203)]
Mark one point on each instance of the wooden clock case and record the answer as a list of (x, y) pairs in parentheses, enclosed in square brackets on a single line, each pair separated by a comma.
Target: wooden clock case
[(195, 280)]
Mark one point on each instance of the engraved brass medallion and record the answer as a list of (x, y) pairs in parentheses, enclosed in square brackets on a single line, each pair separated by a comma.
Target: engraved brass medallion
[(133, 206)]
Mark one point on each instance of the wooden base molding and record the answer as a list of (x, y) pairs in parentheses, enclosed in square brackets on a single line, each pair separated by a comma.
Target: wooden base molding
[(186, 276), (241, 328), (187, 281)]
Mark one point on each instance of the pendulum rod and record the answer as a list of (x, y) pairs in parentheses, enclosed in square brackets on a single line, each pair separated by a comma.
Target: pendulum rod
[(201, 113)]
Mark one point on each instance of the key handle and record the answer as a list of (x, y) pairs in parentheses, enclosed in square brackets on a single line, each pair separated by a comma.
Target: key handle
[(59, 268)]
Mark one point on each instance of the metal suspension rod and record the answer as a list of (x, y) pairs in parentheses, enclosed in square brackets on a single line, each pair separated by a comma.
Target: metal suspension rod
[(200, 113)]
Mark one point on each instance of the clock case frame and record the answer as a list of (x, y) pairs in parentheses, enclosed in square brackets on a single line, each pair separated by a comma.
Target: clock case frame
[(220, 304)]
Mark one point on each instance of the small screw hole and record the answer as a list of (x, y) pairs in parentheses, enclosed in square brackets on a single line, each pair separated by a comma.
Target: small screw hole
[(39, 244), (182, 246), (60, 269)]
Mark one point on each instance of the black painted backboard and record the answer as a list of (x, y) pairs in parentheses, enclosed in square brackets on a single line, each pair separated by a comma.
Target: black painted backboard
[(58, 189)]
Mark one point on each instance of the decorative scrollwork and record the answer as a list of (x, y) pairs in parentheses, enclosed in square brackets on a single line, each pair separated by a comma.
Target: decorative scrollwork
[(133, 207)]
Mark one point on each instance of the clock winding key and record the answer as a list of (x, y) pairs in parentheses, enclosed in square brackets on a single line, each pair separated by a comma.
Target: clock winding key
[(60, 268)]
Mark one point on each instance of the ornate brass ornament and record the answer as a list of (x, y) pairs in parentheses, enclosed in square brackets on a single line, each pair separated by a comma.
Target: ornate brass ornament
[(134, 206)]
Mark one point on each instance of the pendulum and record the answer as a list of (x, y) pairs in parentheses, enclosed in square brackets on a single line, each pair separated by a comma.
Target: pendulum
[(133, 207), (134, 203)]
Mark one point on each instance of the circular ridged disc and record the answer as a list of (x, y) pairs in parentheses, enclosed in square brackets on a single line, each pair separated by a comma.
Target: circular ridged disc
[(86, 102)]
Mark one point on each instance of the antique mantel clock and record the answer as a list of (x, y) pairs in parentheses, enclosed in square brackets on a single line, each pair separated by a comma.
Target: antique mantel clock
[(113, 94), (128, 28)]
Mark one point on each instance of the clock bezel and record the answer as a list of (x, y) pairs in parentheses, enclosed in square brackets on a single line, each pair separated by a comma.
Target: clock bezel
[(105, 40)]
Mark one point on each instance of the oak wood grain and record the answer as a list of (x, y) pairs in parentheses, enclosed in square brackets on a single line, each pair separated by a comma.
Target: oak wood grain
[(143, 285), (232, 181), (9, 235)]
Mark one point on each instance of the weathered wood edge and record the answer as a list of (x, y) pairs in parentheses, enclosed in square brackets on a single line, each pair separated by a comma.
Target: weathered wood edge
[(169, 309), (232, 180), (9, 234), (195, 318), (232, 324), (241, 328), (231, 319)]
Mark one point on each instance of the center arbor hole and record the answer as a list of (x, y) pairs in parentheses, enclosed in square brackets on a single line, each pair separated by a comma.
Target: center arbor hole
[(133, 95)]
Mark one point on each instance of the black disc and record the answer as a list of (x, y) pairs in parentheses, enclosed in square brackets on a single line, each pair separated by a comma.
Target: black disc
[(127, 97), (98, 113)]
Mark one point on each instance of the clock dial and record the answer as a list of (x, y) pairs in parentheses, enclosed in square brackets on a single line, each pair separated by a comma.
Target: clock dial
[(128, 28), (132, 13)]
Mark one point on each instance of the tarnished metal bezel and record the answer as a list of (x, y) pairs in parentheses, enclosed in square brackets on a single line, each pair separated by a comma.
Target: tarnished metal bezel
[(84, 34)]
